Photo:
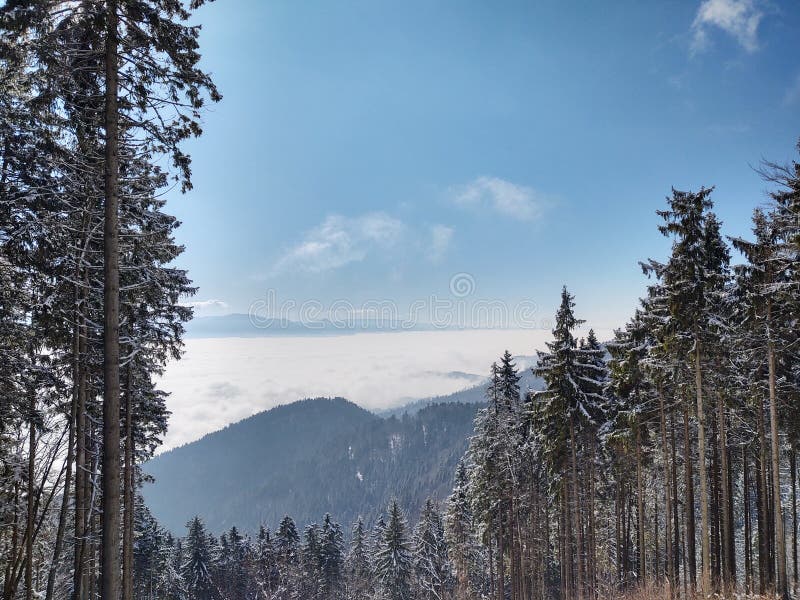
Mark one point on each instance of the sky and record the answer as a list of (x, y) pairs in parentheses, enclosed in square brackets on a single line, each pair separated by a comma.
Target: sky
[(370, 151), (373, 153)]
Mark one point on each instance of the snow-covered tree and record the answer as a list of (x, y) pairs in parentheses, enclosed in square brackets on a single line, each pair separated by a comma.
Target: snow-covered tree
[(431, 561), (394, 563), (200, 562)]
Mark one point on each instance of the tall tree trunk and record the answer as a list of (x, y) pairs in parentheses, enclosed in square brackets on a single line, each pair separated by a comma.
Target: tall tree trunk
[(728, 561), (592, 525), (703, 477), (8, 578), (676, 542), (782, 587), (793, 467), (640, 508), (657, 552), (667, 495), (65, 499), (618, 530), (689, 516), (490, 557), (566, 536), (81, 432), (501, 571), (110, 559), (30, 506), (129, 492), (748, 527), (731, 520), (765, 564), (578, 522)]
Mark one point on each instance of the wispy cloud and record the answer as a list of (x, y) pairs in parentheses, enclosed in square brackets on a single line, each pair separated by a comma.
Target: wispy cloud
[(339, 241), (224, 390), (203, 308), (392, 369), (503, 196), (792, 95), (441, 236), (738, 18)]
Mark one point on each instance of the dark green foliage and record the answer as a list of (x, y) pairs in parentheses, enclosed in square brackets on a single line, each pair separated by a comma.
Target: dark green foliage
[(310, 455), (394, 565)]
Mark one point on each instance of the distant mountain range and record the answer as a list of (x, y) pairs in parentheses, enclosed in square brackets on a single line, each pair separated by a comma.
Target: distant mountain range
[(306, 459), (316, 456), (471, 395), (244, 325)]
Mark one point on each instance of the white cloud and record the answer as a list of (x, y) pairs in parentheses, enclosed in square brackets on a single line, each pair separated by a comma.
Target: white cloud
[(206, 308), (392, 368), (738, 18), (224, 390), (339, 241), (792, 95), (441, 238), (507, 198)]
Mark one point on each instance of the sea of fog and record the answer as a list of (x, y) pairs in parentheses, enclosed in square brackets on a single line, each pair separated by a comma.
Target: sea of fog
[(223, 380)]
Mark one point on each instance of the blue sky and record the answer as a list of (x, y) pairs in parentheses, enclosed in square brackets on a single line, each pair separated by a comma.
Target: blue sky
[(370, 150)]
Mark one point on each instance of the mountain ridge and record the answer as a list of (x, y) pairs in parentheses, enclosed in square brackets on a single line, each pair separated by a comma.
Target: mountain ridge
[(307, 458)]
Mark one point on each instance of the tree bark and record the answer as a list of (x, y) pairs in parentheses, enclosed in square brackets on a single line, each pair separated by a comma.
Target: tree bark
[(110, 559), (728, 561), (64, 511), (129, 493), (577, 518), (30, 510), (765, 564), (793, 467), (703, 477), (689, 515), (667, 495), (640, 508), (748, 533), (782, 588), (676, 542)]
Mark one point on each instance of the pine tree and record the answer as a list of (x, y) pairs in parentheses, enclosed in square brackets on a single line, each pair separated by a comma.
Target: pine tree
[(460, 535), (287, 546), (309, 579), (693, 283), (200, 562), (331, 559), (566, 416), (431, 562), (358, 570), (267, 574), (394, 565)]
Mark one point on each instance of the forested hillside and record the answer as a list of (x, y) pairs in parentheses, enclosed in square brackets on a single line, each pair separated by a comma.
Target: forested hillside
[(306, 459), (662, 461)]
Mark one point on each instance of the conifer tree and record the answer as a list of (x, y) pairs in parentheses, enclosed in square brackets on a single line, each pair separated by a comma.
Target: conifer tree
[(267, 574), (460, 535), (394, 565), (566, 416), (331, 559), (693, 282), (200, 562), (358, 570), (431, 561)]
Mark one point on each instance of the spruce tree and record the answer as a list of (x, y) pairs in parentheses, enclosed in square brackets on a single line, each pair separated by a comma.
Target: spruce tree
[(358, 570), (431, 562), (693, 281), (200, 562), (331, 559), (394, 564)]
